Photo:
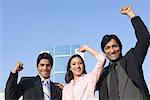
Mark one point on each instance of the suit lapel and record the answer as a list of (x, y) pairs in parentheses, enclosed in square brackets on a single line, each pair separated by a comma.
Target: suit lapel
[(38, 88), (53, 90)]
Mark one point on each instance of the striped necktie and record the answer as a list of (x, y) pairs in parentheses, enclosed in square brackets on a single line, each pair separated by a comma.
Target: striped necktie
[(46, 90)]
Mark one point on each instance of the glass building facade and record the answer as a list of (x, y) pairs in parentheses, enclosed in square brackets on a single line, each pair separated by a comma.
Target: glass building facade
[(61, 55)]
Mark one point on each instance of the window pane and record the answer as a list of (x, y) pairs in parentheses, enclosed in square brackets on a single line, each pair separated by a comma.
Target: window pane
[(61, 63), (60, 77), (73, 47), (62, 50)]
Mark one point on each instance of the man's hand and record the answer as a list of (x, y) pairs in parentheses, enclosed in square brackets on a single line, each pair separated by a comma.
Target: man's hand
[(127, 11), (18, 67), (59, 85)]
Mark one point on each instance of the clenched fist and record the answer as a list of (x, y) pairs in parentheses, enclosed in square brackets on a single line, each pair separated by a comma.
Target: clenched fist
[(18, 67)]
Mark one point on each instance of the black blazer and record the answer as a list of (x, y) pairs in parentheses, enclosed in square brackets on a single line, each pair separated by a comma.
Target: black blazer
[(30, 88), (131, 62)]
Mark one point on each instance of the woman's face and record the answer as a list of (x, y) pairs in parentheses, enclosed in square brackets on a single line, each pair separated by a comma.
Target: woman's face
[(77, 67)]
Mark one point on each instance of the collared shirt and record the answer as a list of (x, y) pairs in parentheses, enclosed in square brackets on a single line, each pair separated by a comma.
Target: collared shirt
[(84, 87), (43, 80)]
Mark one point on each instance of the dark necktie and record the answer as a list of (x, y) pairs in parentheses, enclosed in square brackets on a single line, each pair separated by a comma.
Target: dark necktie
[(114, 93)]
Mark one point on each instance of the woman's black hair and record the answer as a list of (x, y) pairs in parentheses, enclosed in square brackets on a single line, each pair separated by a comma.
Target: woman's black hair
[(69, 75)]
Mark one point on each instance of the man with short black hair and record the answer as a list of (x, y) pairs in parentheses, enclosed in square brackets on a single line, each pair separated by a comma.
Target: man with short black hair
[(123, 78), (39, 87)]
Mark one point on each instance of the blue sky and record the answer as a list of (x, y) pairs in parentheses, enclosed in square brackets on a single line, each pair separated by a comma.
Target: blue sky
[(29, 26)]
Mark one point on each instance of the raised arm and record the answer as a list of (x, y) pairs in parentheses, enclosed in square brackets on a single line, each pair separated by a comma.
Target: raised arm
[(100, 62), (142, 34), (127, 11), (12, 91), (88, 49), (99, 56)]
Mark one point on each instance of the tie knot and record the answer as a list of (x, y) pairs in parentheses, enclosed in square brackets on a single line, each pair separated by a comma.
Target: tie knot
[(113, 65), (46, 82)]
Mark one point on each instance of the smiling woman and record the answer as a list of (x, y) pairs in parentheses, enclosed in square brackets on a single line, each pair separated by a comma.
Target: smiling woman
[(75, 68), (80, 85)]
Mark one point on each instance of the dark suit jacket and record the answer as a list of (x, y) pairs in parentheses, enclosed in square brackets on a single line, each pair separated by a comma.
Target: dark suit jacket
[(131, 62), (30, 88)]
